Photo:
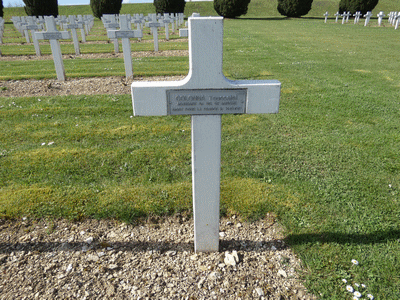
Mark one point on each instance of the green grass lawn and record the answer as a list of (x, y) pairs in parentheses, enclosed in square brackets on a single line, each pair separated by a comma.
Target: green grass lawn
[(327, 164)]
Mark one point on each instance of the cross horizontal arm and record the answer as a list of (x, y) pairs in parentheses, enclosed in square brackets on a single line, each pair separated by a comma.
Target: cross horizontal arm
[(205, 62)]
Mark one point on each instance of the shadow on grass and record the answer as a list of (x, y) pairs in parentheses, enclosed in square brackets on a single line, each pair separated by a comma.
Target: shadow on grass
[(343, 238)]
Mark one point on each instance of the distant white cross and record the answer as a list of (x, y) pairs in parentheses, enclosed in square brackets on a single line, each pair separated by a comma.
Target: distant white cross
[(1, 29), (205, 94), (32, 26), (357, 16), (337, 15), (345, 15), (166, 21), (153, 24), (54, 35), (110, 23), (367, 16), (326, 16), (73, 25), (125, 33), (397, 18), (380, 17)]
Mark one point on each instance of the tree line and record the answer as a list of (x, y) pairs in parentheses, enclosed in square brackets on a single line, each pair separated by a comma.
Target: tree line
[(225, 8)]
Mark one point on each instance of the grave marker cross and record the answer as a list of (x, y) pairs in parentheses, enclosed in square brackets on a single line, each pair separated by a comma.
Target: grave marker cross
[(337, 15), (110, 23), (397, 18), (153, 24), (205, 94), (367, 16), (73, 25), (32, 26), (380, 17), (326, 16), (54, 35), (357, 16), (125, 33), (1, 29), (344, 15)]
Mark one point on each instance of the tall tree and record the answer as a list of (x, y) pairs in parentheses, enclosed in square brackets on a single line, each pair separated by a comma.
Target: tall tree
[(231, 8), (353, 6), (1, 8), (294, 8), (101, 7), (41, 7), (169, 6)]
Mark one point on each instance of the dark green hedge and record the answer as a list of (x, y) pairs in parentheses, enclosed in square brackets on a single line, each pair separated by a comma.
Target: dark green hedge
[(231, 8), (169, 6), (294, 8), (101, 7), (357, 5), (41, 7)]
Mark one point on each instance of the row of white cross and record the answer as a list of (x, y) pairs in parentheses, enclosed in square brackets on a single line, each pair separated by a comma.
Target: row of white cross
[(393, 17), (33, 24), (152, 21), (123, 22), (125, 32), (25, 23), (53, 35)]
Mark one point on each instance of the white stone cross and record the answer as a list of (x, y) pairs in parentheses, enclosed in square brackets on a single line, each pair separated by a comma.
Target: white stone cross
[(326, 16), (125, 33), (17, 24), (82, 23), (397, 18), (345, 15), (205, 94), (380, 17), (153, 24), (32, 26), (391, 16), (337, 15), (1, 29), (61, 20), (166, 21), (25, 31), (54, 35), (73, 25), (110, 23), (357, 16), (367, 16)]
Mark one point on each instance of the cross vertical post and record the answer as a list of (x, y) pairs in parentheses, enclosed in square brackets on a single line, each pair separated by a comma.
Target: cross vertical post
[(326, 16), (153, 24), (205, 94), (54, 35), (32, 26), (74, 26), (125, 33)]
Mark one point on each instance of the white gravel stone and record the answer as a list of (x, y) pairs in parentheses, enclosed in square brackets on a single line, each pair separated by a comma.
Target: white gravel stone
[(282, 273), (229, 259), (259, 292), (152, 265)]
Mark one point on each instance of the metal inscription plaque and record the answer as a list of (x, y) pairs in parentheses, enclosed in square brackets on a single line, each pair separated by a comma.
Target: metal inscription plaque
[(52, 35), (125, 34), (206, 102)]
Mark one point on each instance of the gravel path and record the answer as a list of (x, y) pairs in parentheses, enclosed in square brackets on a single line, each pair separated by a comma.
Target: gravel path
[(152, 259)]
